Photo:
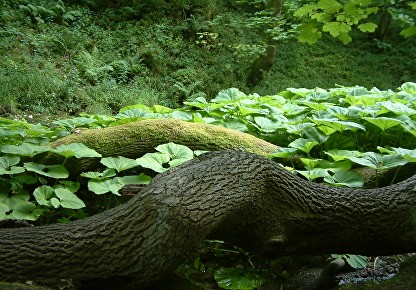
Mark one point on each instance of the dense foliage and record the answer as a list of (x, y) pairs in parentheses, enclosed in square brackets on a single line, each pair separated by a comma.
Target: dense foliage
[(322, 133), (98, 56), (121, 61)]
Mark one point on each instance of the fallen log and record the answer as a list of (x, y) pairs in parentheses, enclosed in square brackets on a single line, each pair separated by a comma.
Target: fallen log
[(235, 196)]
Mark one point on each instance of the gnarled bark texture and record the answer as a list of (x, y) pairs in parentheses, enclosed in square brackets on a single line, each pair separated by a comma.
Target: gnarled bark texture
[(232, 195)]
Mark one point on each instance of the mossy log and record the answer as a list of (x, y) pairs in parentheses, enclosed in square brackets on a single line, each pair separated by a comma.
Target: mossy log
[(231, 195), (137, 138)]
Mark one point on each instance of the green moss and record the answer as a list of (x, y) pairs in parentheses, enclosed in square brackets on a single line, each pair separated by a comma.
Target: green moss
[(137, 138)]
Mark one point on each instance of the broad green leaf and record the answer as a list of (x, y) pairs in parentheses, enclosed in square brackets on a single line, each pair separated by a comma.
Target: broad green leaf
[(409, 155), (54, 171), (283, 153), (304, 145), (68, 199), (119, 163), (329, 6), (43, 195), (336, 28), (293, 109), (109, 172), (75, 122), (304, 10), (314, 134), (24, 179), (298, 129), (176, 151), (308, 32), (161, 109), (6, 165), (345, 178), (14, 200), (266, 125), (228, 95), (310, 163), (72, 186), (379, 161), (77, 150), (355, 261), (25, 149), (383, 123), (367, 27), (314, 173), (235, 125), (154, 161), (137, 179), (397, 108), (239, 278), (337, 125), (181, 115), (409, 87), (408, 32), (106, 185), (26, 211), (339, 155)]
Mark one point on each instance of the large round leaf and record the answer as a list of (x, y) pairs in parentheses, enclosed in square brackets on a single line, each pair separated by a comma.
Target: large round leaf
[(54, 171)]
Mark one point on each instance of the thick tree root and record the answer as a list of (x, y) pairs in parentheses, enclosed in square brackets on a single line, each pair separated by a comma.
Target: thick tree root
[(137, 138), (235, 196)]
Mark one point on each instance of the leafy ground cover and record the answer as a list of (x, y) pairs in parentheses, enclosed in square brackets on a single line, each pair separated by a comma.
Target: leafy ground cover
[(58, 57), (323, 134)]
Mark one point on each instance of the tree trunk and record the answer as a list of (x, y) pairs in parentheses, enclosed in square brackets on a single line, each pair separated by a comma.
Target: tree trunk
[(134, 139), (235, 196)]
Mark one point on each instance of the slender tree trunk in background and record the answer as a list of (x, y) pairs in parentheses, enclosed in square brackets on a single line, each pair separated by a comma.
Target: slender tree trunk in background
[(234, 196), (277, 5), (383, 25)]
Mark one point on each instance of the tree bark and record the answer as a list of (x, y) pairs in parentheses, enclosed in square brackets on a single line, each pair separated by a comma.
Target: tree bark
[(231, 195)]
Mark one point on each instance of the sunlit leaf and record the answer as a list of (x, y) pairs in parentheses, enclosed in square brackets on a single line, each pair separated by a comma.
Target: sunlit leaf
[(303, 144), (337, 125), (77, 150), (383, 123), (25, 149), (367, 27), (338, 155), (119, 163), (228, 95), (266, 125)]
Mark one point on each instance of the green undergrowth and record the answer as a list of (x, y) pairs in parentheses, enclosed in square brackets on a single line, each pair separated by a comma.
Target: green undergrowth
[(322, 134), (61, 58)]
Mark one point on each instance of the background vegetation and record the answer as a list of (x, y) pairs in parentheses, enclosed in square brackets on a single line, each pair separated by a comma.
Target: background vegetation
[(105, 57), (98, 56)]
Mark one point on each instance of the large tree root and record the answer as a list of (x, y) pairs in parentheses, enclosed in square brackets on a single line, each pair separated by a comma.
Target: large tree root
[(235, 196), (137, 138)]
